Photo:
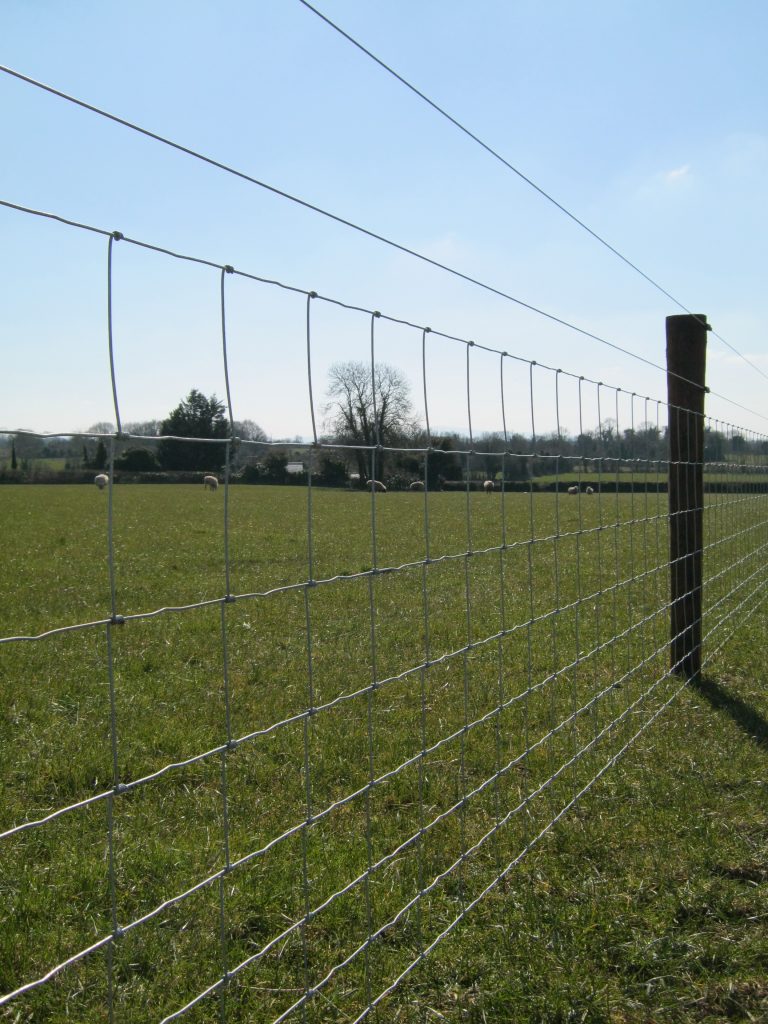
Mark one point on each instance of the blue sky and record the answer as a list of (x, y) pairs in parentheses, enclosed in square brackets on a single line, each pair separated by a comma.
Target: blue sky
[(646, 119)]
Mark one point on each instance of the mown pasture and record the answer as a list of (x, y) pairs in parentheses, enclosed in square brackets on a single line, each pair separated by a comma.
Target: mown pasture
[(478, 676)]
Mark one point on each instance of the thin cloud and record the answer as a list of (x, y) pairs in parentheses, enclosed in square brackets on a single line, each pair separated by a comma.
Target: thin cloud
[(672, 177)]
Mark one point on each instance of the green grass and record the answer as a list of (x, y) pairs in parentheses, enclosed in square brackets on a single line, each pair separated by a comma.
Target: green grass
[(646, 902), (640, 478)]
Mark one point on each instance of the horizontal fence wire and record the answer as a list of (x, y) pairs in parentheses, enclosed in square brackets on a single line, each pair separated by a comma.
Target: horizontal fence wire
[(309, 293), (516, 171), (370, 704)]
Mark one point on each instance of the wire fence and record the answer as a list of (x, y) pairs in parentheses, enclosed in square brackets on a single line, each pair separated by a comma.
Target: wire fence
[(269, 754)]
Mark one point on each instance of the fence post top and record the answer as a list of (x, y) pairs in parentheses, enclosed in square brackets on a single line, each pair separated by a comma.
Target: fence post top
[(698, 318)]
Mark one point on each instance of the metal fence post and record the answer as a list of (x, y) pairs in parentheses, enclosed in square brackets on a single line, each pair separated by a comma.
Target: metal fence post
[(686, 370)]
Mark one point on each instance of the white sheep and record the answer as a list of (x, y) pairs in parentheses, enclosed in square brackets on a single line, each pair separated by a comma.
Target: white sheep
[(488, 486), (210, 483), (574, 489), (101, 480), (417, 485), (589, 490), (375, 485)]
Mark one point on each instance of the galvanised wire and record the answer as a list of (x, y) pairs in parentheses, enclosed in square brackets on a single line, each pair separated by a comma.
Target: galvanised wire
[(367, 232), (456, 866), (547, 784), (307, 728), (526, 849), (114, 236), (516, 170), (743, 579), (319, 815), (380, 683), (228, 745), (224, 271), (345, 305), (761, 592), (101, 943), (310, 392), (530, 748)]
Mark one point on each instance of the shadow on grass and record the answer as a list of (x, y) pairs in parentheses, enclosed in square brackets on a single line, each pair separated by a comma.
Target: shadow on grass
[(743, 714)]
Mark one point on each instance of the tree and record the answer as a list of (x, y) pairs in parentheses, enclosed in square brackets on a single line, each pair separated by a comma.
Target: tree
[(714, 445), (102, 427), (444, 462), (366, 412), (333, 472), (274, 468), (143, 428), (738, 444), (492, 461), (14, 460), (28, 445), (137, 460), (100, 458), (247, 430), (195, 417)]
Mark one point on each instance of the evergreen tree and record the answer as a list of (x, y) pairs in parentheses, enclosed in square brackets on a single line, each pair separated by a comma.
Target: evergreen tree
[(200, 419), (100, 459)]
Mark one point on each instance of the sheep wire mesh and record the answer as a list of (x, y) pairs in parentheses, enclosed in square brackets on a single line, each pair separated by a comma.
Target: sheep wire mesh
[(349, 820)]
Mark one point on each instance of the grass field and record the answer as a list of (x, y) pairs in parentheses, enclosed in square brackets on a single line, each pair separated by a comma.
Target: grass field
[(639, 479), (505, 682)]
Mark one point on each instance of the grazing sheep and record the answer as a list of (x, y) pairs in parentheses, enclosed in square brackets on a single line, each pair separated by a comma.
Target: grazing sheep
[(101, 480), (589, 490), (375, 485), (574, 489), (417, 485), (488, 486), (210, 483)]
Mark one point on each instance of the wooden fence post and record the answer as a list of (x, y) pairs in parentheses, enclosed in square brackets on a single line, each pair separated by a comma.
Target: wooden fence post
[(686, 371)]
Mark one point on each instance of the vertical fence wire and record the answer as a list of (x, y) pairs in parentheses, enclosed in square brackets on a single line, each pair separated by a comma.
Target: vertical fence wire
[(227, 746), (616, 559), (224, 271), (370, 698), (529, 661), (555, 685), (115, 236), (310, 392)]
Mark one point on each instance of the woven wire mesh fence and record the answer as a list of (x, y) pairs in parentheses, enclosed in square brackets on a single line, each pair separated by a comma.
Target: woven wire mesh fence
[(265, 757)]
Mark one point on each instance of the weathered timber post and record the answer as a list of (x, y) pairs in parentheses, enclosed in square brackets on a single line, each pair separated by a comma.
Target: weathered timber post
[(686, 370)]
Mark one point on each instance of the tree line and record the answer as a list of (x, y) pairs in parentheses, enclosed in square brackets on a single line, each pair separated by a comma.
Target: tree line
[(370, 417)]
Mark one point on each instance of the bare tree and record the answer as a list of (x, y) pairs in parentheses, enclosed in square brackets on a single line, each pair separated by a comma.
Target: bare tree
[(144, 428), (367, 409), (247, 430)]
